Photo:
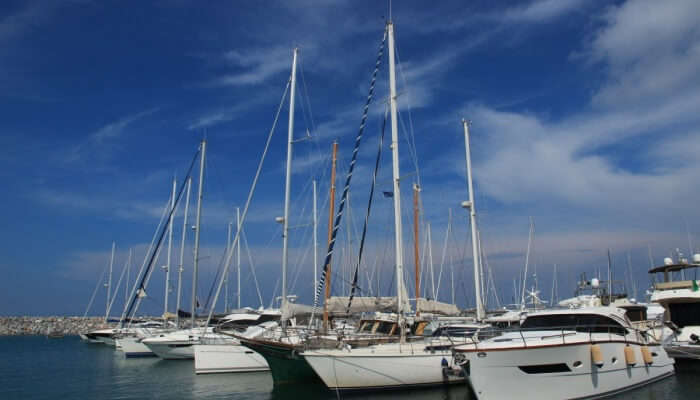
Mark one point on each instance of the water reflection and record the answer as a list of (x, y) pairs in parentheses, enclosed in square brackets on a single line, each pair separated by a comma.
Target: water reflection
[(36, 368), (320, 392)]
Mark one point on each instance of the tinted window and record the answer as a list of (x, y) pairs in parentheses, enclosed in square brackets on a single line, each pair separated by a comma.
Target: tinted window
[(685, 314), (454, 331), (579, 322), (385, 327)]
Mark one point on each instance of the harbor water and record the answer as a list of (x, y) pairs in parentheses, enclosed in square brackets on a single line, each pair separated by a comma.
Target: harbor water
[(35, 367)]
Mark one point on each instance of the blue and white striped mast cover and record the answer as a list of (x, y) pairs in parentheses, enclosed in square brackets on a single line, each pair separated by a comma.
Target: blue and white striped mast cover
[(358, 139)]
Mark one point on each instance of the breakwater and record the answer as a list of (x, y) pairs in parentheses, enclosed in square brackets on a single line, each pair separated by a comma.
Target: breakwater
[(18, 326)]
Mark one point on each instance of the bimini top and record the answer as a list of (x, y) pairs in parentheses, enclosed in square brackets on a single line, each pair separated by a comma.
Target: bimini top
[(672, 268)]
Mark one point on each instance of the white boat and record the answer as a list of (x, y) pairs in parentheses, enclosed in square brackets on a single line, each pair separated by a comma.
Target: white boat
[(680, 297), (132, 346), (226, 354), (565, 354), (108, 336), (105, 336), (386, 366), (426, 361), (178, 345)]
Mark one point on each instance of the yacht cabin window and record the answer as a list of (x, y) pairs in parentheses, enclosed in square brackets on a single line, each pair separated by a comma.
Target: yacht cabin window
[(578, 322)]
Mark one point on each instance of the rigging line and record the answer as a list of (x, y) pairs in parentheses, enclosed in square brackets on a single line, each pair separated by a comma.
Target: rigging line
[(119, 283), (213, 284), (348, 178), (94, 292), (143, 264), (369, 208), (249, 199), (148, 278), (162, 234), (306, 95), (252, 267), (411, 132), (442, 261)]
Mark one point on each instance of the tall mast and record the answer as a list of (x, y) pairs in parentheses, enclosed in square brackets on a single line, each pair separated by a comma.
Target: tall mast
[(228, 276), (527, 262), (288, 181), (480, 312), (195, 270), (180, 267), (555, 288), (416, 254), (331, 209), (315, 234), (128, 277), (609, 278), (170, 249), (398, 235), (430, 261), (238, 257), (109, 282)]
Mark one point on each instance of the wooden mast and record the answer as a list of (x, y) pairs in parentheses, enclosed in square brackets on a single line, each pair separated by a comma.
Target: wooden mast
[(331, 207), (416, 254)]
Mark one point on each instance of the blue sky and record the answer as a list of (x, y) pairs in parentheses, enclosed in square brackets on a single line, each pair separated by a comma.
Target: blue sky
[(584, 117)]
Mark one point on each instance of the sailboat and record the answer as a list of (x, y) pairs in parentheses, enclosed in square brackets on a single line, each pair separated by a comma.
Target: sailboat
[(413, 361)]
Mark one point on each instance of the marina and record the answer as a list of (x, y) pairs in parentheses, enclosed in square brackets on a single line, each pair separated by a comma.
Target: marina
[(337, 207)]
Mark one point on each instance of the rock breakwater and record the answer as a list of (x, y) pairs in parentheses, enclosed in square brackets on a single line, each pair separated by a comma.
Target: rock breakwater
[(16, 326)]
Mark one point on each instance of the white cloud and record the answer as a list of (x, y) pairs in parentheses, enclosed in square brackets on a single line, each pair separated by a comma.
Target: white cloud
[(257, 64), (651, 48), (541, 10)]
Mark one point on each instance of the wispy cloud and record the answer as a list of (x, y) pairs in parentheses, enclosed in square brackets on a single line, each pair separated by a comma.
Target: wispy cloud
[(538, 11), (255, 65), (98, 139)]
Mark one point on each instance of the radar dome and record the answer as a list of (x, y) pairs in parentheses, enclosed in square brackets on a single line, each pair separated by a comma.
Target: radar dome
[(668, 261), (595, 282)]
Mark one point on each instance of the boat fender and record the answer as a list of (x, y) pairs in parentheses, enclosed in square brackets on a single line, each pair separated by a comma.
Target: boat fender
[(460, 359), (445, 368), (630, 358), (694, 338), (597, 355), (646, 356)]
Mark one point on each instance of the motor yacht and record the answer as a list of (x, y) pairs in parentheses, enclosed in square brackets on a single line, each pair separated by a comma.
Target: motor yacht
[(581, 353)]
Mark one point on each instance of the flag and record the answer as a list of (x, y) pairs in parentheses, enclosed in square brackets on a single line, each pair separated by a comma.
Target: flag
[(695, 286), (388, 194)]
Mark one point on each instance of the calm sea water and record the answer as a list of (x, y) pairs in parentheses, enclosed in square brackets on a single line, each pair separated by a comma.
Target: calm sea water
[(41, 368)]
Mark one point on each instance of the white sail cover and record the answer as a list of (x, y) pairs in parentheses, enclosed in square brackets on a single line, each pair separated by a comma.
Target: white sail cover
[(436, 307), (337, 305), (406, 306)]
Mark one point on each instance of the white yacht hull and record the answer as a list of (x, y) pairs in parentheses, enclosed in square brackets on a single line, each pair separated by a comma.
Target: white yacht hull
[(387, 366), (683, 350), (220, 358), (85, 338), (132, 347), (561, 372), (173, 350), (108, 340)]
